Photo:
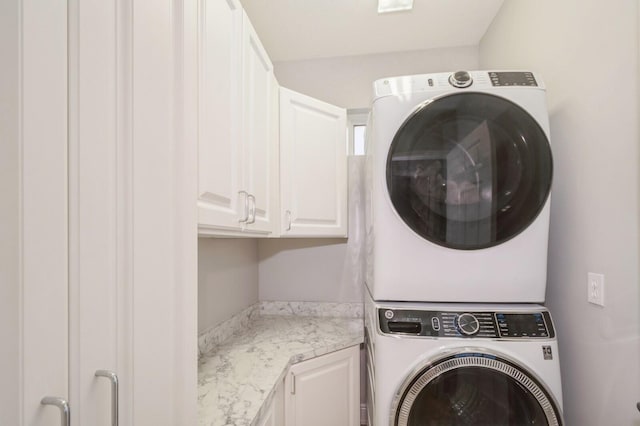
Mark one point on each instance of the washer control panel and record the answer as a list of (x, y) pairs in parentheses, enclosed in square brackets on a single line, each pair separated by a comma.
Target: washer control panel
[(467, 324)]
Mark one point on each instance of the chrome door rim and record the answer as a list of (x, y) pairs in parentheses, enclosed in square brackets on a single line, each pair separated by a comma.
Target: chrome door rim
[(409, 391)]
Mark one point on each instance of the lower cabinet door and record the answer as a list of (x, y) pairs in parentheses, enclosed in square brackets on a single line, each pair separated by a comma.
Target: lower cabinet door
[(273, 415), (324, 390)]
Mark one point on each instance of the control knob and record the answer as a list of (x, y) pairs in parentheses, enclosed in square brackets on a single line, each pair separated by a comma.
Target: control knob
[(460, 79), (467, 324)]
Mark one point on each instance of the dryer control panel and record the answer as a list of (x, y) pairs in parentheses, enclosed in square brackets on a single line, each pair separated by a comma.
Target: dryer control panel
[(463, 324)]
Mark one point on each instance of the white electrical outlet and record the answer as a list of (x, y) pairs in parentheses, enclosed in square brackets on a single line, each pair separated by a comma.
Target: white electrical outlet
[(595, 288)]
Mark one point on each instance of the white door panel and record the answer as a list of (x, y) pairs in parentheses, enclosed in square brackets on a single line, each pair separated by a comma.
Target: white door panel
[(313, 166), (219, 145)]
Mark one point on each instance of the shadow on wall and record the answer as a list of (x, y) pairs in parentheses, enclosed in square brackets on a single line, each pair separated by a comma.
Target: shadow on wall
[(287, 244)]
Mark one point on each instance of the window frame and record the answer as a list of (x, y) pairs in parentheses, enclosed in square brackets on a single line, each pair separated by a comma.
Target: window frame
[(356, 117)]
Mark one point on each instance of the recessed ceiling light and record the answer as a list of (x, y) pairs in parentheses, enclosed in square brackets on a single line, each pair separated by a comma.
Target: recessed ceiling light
[(386, 6)]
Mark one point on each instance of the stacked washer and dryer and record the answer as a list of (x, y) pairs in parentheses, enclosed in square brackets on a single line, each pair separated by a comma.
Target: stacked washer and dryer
[(459, 171)]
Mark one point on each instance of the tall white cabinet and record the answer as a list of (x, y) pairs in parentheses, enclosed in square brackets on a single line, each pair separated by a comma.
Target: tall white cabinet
[(103, 263), (34, 307)]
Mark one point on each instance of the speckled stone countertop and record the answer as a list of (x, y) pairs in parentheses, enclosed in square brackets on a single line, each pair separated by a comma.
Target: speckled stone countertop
[(237, 378)]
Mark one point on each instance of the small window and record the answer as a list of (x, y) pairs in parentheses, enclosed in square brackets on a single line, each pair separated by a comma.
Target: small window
[(359, 132), (357, 123)]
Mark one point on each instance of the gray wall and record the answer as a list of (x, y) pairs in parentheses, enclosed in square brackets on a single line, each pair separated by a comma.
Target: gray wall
[(587, 53), (308, 270), (348, 81), (227, 278)]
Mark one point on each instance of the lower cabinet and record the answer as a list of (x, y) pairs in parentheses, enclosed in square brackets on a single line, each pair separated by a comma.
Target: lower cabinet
[(324, 390), (273, 414)]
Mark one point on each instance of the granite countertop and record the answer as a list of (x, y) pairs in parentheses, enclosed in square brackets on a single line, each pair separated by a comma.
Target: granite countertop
[(237, 378)]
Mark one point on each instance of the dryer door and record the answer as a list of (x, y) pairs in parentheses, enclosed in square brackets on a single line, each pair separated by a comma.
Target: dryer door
[(474, 389), (469, 171)]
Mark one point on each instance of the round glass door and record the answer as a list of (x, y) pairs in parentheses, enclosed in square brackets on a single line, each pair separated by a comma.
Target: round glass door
[(469, 171), (474, 389)]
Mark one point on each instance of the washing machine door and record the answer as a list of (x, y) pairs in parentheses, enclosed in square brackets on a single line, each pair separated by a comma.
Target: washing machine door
[(474, 389), (469, 170)]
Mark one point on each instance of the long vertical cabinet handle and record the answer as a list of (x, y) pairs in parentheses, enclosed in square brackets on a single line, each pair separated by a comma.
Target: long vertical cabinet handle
[(252, 209), (293, 383), (63, 405), (288, 213), (246, 206), (113, 378)]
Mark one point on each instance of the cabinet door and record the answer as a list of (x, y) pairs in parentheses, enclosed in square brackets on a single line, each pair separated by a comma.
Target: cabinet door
[(34, 299), (273, 415), (220, 203), (94, 255), (259, 132), (325, 390), (313, 156), (132, 239), (160, 319)]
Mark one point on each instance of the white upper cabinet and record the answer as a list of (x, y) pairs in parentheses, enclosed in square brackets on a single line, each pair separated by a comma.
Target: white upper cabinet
[(313, 169), (259, 132), (250, 131), (220, 201), (237, 129)]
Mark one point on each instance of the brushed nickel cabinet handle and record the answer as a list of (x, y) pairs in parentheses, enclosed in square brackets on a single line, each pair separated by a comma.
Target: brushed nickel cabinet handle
[(113, 378), (252, 209), (288, 213), (246, 206), (63, 405), (293, 383)]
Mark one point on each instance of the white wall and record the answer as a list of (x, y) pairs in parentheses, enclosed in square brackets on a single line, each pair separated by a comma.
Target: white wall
[(227, 278), (348, 81), (587, 54), (9, 216)]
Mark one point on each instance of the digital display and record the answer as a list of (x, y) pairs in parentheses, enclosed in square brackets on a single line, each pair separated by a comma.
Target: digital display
[(512, 79), (522, 325)]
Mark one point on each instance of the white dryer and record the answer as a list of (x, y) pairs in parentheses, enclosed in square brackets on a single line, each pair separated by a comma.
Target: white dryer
[(459, 174), (461, 364)]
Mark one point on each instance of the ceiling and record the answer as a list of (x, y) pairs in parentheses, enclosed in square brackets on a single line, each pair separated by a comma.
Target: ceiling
[(293, 30)]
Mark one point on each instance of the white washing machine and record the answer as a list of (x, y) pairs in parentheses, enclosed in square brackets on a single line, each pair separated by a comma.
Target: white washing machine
[(461, 364), (459, 172)]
